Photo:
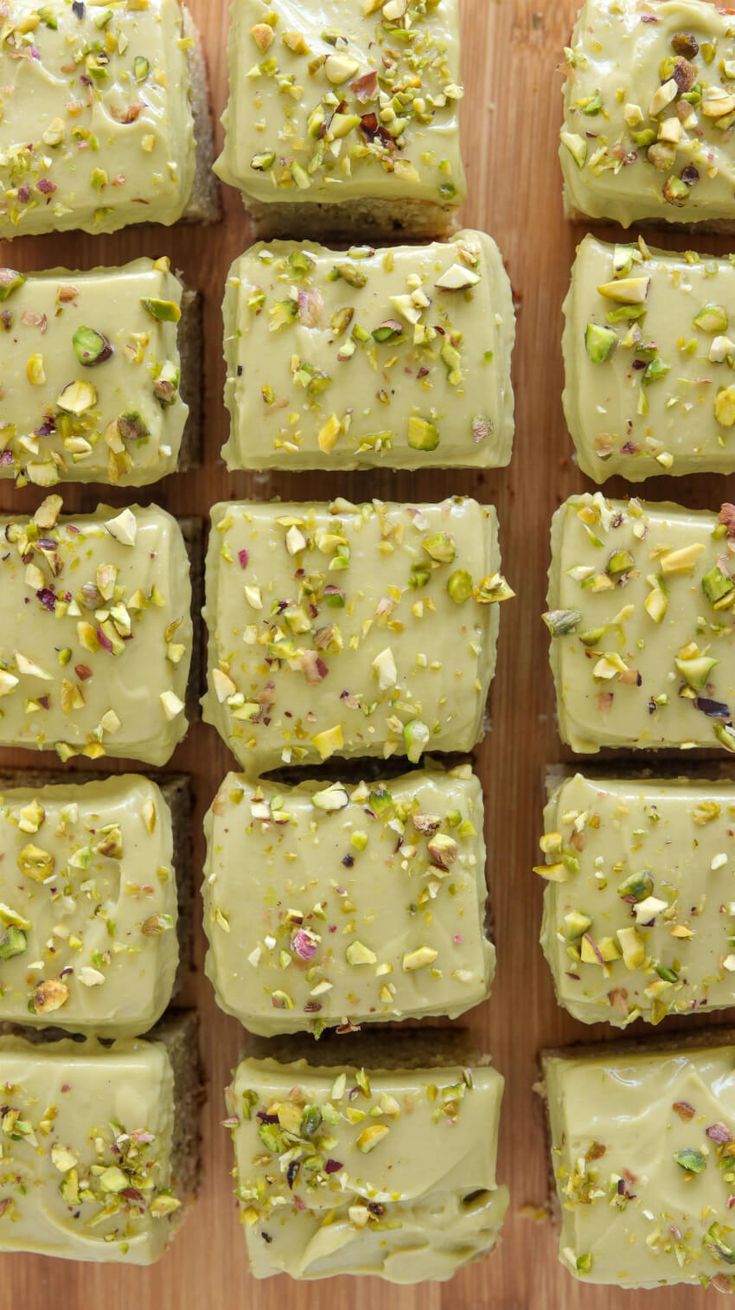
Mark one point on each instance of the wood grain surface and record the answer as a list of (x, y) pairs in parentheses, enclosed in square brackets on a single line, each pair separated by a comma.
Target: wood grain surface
[(512, 53)]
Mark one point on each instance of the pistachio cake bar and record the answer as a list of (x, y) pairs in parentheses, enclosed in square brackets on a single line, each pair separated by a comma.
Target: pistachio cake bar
[(642, 621), (100, 1144), (343, 116), (649, 362), (350, 629), (649, 102), (95, 633), (88, 904), (643, 1155), (326, 904), (97, 368), (114, 101), (385, 1170), (638, 919), (397, 358)]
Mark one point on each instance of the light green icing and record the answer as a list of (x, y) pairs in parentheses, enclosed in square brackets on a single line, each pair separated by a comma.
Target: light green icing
[(344, 360), (639, 917), (105, 91), (88, 901), (131, 427), (418, 1147), (644, 652), (338, 101), (82, 1125), (333, 629), (624, 1128), (649, 104), (95, 633), (663, 398), (326, 904)]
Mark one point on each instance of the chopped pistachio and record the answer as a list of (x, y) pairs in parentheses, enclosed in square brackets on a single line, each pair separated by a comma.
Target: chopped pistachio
[(561, 622), (601, 342), (422, 435), (77, 398), (577, 147), (416, 736), (164, 311), (419, 959), (340, 68), (10, 280), (371, 1137), (91, 347), (13, 942), (359, 954), (460, 586), (712, 319), (440, 547), (691, 1160), (50, 996), (576, 925), (627, 290), (331, 799), (696, 670)]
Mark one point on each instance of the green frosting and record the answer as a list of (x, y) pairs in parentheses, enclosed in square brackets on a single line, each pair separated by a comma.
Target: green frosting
[(86, 1165), (91, 375), (103, 94), (343, 1171), (643, 1152), (639, 917), (649, 104), (96, 633), (350, 629), (397, 358), (87, 906), (326, 904), (650, 387), (339, 100), (641, 612)]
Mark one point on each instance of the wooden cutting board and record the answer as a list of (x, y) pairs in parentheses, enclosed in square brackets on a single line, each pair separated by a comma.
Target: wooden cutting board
[(512, 53)]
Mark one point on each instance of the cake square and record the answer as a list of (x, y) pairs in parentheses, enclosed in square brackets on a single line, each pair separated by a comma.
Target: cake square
[(328, 904), (99, 1145), (346, 119), (92, 374), (109, 97), (642, 619), (88, 905), (350, 629), (649, 101), (396, 358), (642, 1148), (383, 1171), (95, 617), (649, 383), (638, 917)]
